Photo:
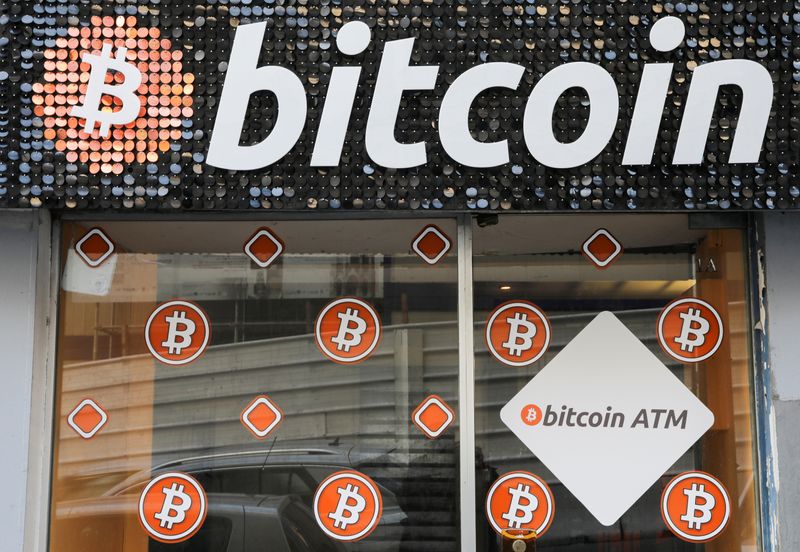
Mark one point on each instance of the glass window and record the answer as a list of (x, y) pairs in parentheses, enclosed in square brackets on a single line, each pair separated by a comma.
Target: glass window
[(539, 259), (166, 418)]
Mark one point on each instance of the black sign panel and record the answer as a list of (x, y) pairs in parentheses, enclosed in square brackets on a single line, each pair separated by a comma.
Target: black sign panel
[(70, 138)]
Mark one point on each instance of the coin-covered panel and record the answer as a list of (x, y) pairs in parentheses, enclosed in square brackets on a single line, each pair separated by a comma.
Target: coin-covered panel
[(72, 138)]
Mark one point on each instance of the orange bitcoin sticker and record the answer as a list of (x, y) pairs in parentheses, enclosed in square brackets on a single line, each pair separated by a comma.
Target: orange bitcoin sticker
[(690, 330), (517, 333), (520, 501), (696, 507), (177, 332), (348, 330), (172, 507), (348, 506)]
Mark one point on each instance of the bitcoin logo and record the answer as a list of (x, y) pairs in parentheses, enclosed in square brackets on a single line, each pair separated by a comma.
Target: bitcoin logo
[(519, 341), (695, 506), (350, 503), (523, 505), (695, 326), (166, 515), (517, 333), (177, 332), (180, 327), (531, 415), (698, 513), (92, 110), (349, 336), (172, 507), (348, 330), (348, 506), (690, 330), (520, 501)]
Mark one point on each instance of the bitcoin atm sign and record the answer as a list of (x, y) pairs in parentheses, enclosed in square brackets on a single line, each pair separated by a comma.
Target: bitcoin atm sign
[(607, 417)]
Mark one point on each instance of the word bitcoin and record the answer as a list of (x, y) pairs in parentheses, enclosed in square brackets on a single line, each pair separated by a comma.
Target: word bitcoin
[(347, 330), (396, 75), (517, 333), (92, 109), (567, 416), (696, 506), (348, 506), (177, 332), (520, 501), (690, 330), (172, 507)]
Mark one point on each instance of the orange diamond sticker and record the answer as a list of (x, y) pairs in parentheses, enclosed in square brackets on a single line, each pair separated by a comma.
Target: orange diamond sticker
[(433, 416), (261, 416), (94, 247), (431, 244), (602, 248), (264, 247), (87, 418)]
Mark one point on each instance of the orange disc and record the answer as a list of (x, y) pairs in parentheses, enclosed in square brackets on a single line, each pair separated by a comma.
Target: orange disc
[(348, 330), (520, 501), (348, 506), (696, 506), (173, 507), (517, 333), (177, 332), (690, 330)]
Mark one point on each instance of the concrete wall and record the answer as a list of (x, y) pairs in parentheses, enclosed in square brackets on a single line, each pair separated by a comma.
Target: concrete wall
[(782, 267), (19, 238)]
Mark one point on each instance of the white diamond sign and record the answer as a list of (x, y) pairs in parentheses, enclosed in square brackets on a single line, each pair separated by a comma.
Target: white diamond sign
[(607, 417)]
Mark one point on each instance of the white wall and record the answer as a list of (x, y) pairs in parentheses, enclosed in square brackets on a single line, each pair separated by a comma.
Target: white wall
[(19, 237), (782, 267)]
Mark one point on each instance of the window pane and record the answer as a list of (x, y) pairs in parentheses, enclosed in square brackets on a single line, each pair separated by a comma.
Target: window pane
[(538, 259), (186, 418)]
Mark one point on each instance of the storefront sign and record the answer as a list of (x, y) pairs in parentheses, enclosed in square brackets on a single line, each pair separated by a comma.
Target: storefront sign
[(607, 417), (426, 105)]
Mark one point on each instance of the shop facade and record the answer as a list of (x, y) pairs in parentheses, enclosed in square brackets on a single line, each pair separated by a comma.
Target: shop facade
[(440, 276)]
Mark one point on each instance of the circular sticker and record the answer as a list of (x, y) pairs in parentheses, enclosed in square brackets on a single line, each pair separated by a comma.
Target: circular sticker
[(173, 507), (696, 506), (531, 414), (520, 502), (348, 330), (348, 506), (177, 332), (690, 330), (517, 333)]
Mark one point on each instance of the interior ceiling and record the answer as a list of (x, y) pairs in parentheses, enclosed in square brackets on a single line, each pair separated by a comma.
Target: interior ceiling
[(514, 234)]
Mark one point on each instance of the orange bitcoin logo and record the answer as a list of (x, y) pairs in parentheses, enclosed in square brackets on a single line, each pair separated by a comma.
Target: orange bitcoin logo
[(517, 333), (177, 332), (531, 415), (696, 507), (520, 501), (690, 330), (348, 506), (173, 507), (348, 330)]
